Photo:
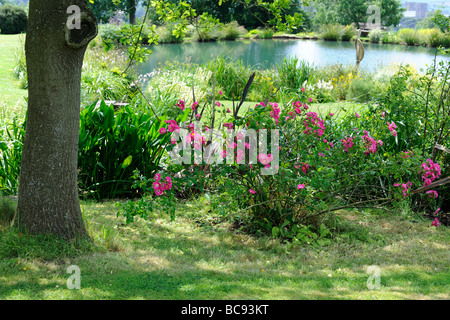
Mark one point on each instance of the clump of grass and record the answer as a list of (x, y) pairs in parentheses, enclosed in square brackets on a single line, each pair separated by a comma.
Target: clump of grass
[(348, 32), (7, 210), (19, 244), (331, 32), (266, 34), (233, 30), (409, 36)]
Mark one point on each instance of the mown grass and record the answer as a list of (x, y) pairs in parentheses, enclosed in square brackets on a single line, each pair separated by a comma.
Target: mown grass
[(11, 94), (196, 258)]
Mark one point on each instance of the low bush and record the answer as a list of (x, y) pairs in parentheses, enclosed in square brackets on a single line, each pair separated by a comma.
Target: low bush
[(375, 35)]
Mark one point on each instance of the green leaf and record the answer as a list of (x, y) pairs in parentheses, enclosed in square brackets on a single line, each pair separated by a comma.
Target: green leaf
[(275, 232), (127, 162)]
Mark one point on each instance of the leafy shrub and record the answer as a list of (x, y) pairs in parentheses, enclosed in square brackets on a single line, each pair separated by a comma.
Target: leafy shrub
[(102, 77), (375, 35), (13, 19), (110, 32), (115, 143), (165, 35), (389, 37)]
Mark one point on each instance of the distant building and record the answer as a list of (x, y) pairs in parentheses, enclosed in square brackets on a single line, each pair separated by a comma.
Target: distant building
[(416, 10)]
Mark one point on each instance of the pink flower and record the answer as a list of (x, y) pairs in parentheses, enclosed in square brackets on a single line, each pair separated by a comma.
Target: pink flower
[(305, 167), (173, 126), (220, 92), (162, 130), (321, 154), (384, 114), (300, 186), (228, 125), (251, 191), (437, 211), (331, 114), (310, 99), (348, 143), (224, 154), (392, 127), (194, 106), (405, 187), (435, 222), (197, 146), (228, 110), (265, 159), (218, 103), (357, 115), (158, 192), (432, 194), (181, 104), (303, 90), (157, 176), (156, 185)]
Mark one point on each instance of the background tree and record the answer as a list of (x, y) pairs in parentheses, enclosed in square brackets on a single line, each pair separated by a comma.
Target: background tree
[(13, 19), (391, 12), (354, 11), (104, 9), (48, 191)]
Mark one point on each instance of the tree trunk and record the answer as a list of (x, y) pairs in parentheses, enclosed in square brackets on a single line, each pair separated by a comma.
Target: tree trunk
[(132, 10), (48, 192)]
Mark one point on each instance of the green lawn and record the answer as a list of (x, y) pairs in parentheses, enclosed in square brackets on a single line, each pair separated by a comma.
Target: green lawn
[(192, 258), (10, 46)]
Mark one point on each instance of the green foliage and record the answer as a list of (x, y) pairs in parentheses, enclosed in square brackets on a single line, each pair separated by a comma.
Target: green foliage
[(165, 34), (375, 35), (348, 32), (13, 19), (20, 70), (230, 76), (409, 36), (331, 32), (103, 78), (115, 143), (293, 73), (11, 144), (7, 211)]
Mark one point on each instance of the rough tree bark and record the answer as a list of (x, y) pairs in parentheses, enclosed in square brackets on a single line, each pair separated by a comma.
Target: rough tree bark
[(132, 11), (48, 193)]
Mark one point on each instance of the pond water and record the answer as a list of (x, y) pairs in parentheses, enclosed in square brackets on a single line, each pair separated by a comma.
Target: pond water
[(266, 53)]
